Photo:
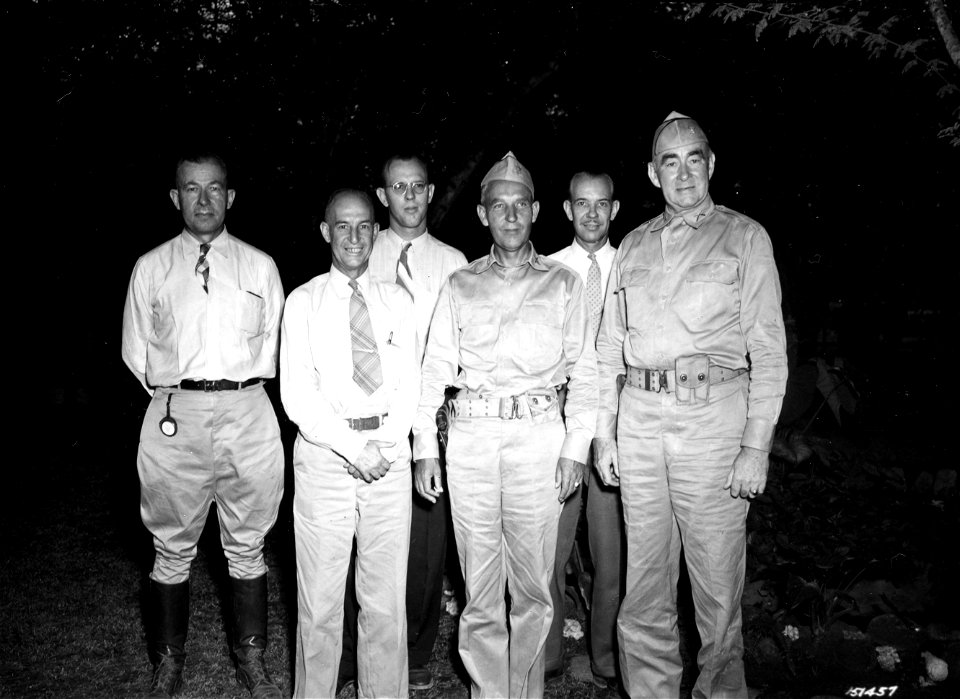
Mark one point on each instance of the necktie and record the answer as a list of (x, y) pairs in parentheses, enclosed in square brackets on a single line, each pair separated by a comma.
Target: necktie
[(203, 267), (367, 373), (594, 293), (406, 266)]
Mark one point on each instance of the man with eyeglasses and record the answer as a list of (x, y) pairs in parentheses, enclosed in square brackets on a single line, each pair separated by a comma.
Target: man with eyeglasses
[(693, 321), (507, 330), (407, 254)]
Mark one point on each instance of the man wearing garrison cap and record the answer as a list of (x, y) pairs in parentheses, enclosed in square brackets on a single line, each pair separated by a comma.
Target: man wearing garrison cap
[(507, 330), (693, 321)]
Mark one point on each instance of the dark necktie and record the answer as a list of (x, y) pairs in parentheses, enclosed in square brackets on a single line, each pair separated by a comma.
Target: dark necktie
[(367, 373), (203, 267)]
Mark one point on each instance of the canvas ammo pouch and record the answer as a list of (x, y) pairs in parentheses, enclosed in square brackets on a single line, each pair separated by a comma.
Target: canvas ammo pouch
[(692, 379)]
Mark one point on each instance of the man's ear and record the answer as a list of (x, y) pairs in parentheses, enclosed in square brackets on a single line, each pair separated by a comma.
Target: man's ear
[(429, 193), (482, 213), (712, 161), (653, 175), (231, 193), (568, 207), (325, 231), (536, 210), (614, 208), (376, 230), (175, 198), (382, 195)]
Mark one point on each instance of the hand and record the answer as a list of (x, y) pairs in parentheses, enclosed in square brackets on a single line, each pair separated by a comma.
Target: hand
[(569, 476), (370, 463), (606, 461), (426, 477), (748, 475), (352, 470)]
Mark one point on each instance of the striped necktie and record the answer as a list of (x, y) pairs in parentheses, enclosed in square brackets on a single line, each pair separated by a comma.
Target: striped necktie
[(406, 265), (594, 293), (203, 267), (367, 373)]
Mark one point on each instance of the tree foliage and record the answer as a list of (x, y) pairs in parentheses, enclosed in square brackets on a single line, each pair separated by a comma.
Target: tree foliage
[(915, 34)]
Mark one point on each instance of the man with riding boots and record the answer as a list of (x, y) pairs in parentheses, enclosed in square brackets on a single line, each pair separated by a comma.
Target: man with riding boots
[(507, 330), (200, 331), (350, 380), (591, 207), (693, 322), (406, 253)]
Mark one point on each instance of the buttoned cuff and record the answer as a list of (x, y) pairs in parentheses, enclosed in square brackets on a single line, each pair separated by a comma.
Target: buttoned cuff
[(758, 434), (607, 425), (576, 446), (425, 446)]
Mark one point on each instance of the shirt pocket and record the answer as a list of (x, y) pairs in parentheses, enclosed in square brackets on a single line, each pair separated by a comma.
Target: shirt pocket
[(709, 297), (638, 295), (479, 332), (250, 313), (536, 337)]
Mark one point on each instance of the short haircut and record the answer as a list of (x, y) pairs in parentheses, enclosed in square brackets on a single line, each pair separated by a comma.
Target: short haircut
[(359, 193), (588, 174), (410, 157), (200, 156)]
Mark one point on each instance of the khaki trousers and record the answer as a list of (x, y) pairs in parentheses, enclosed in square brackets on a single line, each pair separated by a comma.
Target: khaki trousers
[(226, 450), (505, 510), (330, 508), (674, 460)]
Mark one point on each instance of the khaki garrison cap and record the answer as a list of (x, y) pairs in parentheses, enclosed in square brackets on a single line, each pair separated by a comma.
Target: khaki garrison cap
[(675, 131), (509, 169)]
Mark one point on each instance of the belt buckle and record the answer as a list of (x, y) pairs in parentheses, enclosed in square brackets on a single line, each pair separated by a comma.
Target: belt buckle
[(209, 385), (662, 380), (512, 405)]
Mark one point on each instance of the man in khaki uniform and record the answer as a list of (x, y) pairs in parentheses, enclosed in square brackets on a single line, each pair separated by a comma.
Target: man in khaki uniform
[(507, 330), (692, 320)]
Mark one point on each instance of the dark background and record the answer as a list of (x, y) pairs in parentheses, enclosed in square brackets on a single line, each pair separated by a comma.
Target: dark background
[(834, 152)]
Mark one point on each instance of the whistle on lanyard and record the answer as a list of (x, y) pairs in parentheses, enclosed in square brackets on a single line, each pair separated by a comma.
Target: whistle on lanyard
[(168, 425)]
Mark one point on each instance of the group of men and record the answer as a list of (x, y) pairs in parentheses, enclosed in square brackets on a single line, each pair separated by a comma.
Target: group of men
[(662, 364)]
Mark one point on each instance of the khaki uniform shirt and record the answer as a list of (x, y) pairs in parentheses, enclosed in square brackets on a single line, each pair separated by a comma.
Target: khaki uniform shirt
[(705, 284), (511, 330)]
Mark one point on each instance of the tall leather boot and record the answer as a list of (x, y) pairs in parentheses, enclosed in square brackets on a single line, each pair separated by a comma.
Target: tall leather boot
[(170, 609), (250, 627)]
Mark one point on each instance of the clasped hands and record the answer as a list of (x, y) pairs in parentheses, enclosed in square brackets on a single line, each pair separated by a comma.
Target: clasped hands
[(370, 465)]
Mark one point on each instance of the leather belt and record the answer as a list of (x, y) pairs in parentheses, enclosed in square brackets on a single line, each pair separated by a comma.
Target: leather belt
[(505, 408), (667, 380), (362, 424), (216, 385)]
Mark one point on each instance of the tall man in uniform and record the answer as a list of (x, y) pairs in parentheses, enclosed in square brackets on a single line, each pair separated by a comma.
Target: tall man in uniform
[(693, 320), (406, 253), (350, 380), (200, 331), (591, 207), (507, 330)]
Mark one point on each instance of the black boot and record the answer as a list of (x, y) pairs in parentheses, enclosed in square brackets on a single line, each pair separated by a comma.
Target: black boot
[(250, 627), (170, 608)]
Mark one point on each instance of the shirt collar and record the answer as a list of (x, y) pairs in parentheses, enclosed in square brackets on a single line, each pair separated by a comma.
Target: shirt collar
[(400, 242), (533, 259), (340, 282), (581, 251), (693, 217), (191, 246)]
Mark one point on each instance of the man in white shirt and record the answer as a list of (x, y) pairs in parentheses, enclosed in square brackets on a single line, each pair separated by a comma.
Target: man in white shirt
[(591, 207), (350, 380), (406, 253), (200, 333)]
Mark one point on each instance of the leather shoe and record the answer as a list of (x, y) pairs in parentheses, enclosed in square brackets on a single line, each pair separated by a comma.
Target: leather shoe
[(420, 678)]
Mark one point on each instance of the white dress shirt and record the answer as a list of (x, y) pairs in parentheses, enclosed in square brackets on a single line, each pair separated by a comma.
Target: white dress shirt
[(316, 365), (575, 257), (431, 262), (174, 330)]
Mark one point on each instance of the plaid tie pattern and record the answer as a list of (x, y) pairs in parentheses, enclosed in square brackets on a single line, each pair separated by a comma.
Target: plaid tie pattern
[(406, 266), (367, 372), (594, 294), (203, 267)]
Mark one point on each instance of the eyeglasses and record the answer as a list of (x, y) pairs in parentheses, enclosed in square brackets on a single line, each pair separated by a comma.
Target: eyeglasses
[(400, 188)]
